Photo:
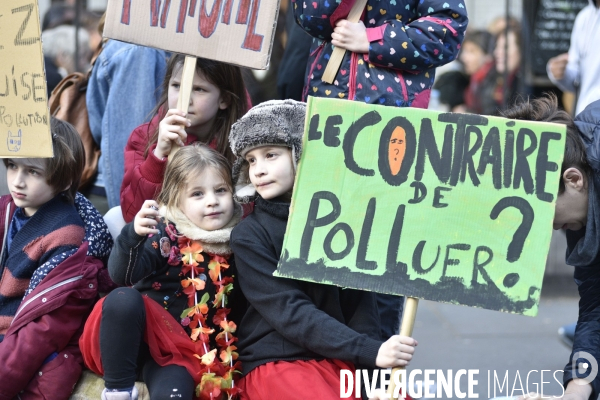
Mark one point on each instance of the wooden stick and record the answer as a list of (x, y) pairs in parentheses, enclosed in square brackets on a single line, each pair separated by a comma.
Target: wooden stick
[(338, 53), (185, 90), (406, 329)]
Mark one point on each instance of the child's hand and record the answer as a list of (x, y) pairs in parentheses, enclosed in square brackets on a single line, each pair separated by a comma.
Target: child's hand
[(145, 220), (171, 130), (397, 351), (350, 36)]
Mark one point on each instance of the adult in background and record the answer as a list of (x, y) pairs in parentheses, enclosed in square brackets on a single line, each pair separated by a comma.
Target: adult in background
[(579, 69), (122, 91), (59, 46)]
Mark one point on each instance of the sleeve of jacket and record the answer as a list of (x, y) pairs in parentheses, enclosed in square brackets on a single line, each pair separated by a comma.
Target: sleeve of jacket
[(314, 16), (572, 72), (143, 175), (133, 74), (34, 341), (432, 40), (285, 306), (133, 258), (587, 333)]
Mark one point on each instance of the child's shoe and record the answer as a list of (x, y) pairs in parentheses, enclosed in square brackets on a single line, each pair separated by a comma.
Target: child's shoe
[(115, 394)]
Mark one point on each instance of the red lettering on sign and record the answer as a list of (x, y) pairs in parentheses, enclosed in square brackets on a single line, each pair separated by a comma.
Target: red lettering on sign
[(252, 40), (126, 12), (155, 12), (243, 11), (181, 20), (227, 11), (208, 23), (192, 8)]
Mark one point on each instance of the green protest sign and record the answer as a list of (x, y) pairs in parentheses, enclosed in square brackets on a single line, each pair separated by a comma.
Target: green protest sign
[(446, 207)]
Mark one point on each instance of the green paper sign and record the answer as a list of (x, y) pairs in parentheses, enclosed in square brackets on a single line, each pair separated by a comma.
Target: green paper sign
[(447, 207)]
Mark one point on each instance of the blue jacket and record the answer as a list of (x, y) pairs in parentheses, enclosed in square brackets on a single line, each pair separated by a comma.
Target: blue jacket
[(122, 91), (409, 38), (583, 252)]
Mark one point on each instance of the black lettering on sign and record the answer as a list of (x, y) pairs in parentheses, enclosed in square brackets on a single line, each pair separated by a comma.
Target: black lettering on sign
[(19, 41), (467, 162), (453, 261), (542, 165), (427, 145), (313, 222), (391, 262), (365, 235), (332, 131), (418, 254), (509, 150), (478, 265), (369, 119), (522, 170), (313, 128), (491, 153), (438, 196), (332, 255), (515, 248), (420, 192)]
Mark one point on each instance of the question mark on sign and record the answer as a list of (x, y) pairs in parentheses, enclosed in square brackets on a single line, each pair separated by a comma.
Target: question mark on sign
[(515, 248)]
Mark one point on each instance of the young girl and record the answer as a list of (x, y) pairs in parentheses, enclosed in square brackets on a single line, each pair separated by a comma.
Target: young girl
[(296, 336), (175, 327), (218, 100)]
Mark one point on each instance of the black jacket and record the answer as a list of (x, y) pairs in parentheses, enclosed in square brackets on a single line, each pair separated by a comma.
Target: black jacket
[(295, 320), (583, 252)]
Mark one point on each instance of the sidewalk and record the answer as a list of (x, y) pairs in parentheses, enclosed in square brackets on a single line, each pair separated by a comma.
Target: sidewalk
[(457, 337)]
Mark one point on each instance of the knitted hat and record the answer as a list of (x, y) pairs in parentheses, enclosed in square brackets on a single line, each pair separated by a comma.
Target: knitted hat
[(275, 122)]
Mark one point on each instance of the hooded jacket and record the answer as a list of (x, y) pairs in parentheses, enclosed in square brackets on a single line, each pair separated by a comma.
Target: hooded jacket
[(583, 252), (408, 40), (39, 355)]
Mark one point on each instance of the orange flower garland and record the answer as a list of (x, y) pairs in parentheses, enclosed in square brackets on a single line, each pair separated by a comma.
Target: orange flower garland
[(218, 366)]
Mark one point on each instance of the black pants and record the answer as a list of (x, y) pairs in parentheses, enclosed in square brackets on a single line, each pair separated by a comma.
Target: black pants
[(125, 356)]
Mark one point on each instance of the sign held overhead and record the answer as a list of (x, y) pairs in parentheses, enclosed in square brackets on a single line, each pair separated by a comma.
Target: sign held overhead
[(234, 31), (24, 115)]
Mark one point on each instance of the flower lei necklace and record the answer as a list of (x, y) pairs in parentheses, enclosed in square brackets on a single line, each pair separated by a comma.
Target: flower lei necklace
[(217, 373)]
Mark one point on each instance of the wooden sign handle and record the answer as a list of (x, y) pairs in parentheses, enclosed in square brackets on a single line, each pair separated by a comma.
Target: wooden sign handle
[(185, 90), (406, 329), (338, 53)]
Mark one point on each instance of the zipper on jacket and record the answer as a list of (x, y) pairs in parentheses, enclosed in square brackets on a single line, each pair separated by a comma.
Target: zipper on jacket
[(404, 89), (43, 292), (4, 240), (316, 54), (353, 76)]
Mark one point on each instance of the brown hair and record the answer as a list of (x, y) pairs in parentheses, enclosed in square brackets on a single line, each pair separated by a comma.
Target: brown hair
[(187, 162), (546, 109), (228, 79), (65, 168)]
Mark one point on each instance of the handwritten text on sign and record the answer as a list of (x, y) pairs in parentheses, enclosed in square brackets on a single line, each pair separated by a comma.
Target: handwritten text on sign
[(24, 116), (446, 207), (234, 31)]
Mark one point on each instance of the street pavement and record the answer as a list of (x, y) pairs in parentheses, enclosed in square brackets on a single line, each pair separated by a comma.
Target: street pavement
[(456, 337)]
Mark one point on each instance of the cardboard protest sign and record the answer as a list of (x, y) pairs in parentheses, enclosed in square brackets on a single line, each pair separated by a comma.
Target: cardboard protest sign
[(24, 115), (447, 207), (239, 32)]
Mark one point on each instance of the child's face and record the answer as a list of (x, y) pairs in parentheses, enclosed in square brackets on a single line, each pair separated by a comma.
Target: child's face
[(271, 170), (205, 102), (572, 205), (207, 201), (26, 178)]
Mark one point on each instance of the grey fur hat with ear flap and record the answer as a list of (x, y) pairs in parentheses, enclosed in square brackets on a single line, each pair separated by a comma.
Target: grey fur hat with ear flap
[(275, 122)]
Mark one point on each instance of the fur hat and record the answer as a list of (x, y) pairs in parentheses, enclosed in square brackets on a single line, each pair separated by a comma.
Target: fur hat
[(275, 122)]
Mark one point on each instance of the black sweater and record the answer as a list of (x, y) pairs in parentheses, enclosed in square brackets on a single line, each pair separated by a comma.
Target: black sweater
[(290, 319), (139, 261)]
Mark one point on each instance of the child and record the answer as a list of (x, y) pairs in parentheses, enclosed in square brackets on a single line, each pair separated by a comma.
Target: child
[(218, 100), (296, 336), (392, 52), (53, 246), (577, 212), (181, 269)]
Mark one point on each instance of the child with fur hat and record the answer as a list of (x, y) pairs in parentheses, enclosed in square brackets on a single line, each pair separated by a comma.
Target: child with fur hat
[(296, 336)]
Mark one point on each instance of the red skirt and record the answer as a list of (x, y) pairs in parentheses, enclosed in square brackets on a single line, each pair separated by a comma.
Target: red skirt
[(169, 344)]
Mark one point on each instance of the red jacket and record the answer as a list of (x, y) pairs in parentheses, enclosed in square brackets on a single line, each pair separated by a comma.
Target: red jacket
[(143, 175), (50, 320)]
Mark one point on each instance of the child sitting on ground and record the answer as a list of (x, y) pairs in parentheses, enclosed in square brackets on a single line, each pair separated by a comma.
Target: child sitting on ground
[(53, 246), (296, 336), (174, 328)]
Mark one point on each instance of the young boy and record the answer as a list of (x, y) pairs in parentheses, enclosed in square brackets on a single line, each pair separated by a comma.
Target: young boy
[(577, 211), (296, 336), (52, 244)]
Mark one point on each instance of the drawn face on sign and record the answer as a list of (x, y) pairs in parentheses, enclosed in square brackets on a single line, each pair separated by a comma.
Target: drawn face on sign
[(397, 149)]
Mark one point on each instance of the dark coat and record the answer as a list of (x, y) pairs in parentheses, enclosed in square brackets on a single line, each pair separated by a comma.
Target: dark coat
[(409, 38)]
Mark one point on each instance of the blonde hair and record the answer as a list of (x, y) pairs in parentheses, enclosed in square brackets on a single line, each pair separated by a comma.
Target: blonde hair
[(188, 162)]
